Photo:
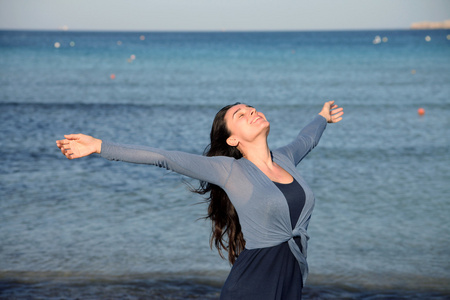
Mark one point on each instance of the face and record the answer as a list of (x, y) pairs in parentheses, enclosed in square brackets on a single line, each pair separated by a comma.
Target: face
[(245, 124)]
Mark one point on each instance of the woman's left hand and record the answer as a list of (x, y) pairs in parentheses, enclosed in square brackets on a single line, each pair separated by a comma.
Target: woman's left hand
[(331, 112)]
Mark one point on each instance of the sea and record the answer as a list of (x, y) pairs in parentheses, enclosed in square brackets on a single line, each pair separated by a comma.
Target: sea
[(95, 229)]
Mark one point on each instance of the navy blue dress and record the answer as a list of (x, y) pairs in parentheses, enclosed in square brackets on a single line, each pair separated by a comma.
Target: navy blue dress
[(269, 273)]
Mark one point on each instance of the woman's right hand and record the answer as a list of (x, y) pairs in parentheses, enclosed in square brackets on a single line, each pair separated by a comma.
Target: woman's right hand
[(79, 145)]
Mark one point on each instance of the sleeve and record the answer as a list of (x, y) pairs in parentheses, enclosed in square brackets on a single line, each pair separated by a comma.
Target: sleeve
[(214, 170), (307, 139)]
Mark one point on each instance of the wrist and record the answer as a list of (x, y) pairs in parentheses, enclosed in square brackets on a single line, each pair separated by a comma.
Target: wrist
[(98, 147), (323, 115)]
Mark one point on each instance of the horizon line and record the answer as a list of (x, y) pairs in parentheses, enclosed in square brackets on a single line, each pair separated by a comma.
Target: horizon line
[(215, 30)]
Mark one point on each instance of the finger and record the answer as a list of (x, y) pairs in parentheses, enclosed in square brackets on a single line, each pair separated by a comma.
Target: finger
[(337, 110), (338, 114), (68, 153), (65, 151), (71, 155), (60, 146), (72, 136), (62, 142), (337, 118), (327, 105)]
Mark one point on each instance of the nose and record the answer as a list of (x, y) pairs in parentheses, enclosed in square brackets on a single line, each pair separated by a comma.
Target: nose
[(252, 111)]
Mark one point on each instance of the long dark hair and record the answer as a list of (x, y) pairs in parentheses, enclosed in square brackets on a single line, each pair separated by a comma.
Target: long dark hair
[(226, 229)]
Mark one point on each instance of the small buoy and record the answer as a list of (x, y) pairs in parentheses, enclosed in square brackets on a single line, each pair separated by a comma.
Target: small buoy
[(385, 40), (142, 37), (57, 45), (421, 111), (112, 76), (428, 38), (448, 37), (119, 43), (132, 57), (72, 44), (376, 40)]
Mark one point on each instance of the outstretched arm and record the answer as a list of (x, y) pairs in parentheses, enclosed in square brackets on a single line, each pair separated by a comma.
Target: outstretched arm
[(79, 145), (310, 135), (215, 170)]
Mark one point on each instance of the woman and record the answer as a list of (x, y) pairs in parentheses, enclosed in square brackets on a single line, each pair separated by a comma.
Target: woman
[(260, 206)]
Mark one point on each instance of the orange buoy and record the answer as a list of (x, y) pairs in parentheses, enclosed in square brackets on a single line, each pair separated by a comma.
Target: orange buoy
[(112, 76), (421, 111)]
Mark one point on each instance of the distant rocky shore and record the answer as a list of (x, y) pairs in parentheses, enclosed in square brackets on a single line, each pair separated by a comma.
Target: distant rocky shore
[(431, 25)]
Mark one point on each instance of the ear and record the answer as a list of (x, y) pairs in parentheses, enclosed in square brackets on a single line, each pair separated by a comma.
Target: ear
[(233, 142)]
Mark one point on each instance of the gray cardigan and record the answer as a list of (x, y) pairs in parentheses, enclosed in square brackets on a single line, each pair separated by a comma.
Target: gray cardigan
[(262, 208)]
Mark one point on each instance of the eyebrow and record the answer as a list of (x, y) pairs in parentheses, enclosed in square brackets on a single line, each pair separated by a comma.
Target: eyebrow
[(236, 111)]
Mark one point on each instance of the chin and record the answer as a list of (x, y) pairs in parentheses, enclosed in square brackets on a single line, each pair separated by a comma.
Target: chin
[(268, 128)]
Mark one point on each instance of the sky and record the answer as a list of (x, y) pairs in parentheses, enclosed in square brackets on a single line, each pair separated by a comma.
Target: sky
[(218, 15)]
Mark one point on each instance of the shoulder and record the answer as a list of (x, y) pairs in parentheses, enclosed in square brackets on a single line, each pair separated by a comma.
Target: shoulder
[(281, 154)]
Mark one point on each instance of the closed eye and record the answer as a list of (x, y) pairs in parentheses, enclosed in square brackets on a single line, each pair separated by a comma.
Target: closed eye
[(239, 113)]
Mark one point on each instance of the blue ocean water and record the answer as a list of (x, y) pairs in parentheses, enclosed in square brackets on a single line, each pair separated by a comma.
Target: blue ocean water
[(380, 226)]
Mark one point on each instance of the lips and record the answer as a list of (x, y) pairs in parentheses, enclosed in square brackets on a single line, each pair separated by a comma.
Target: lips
[(255, 119)]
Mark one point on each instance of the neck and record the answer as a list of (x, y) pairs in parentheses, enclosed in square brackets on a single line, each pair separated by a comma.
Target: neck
[(257, 152)]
